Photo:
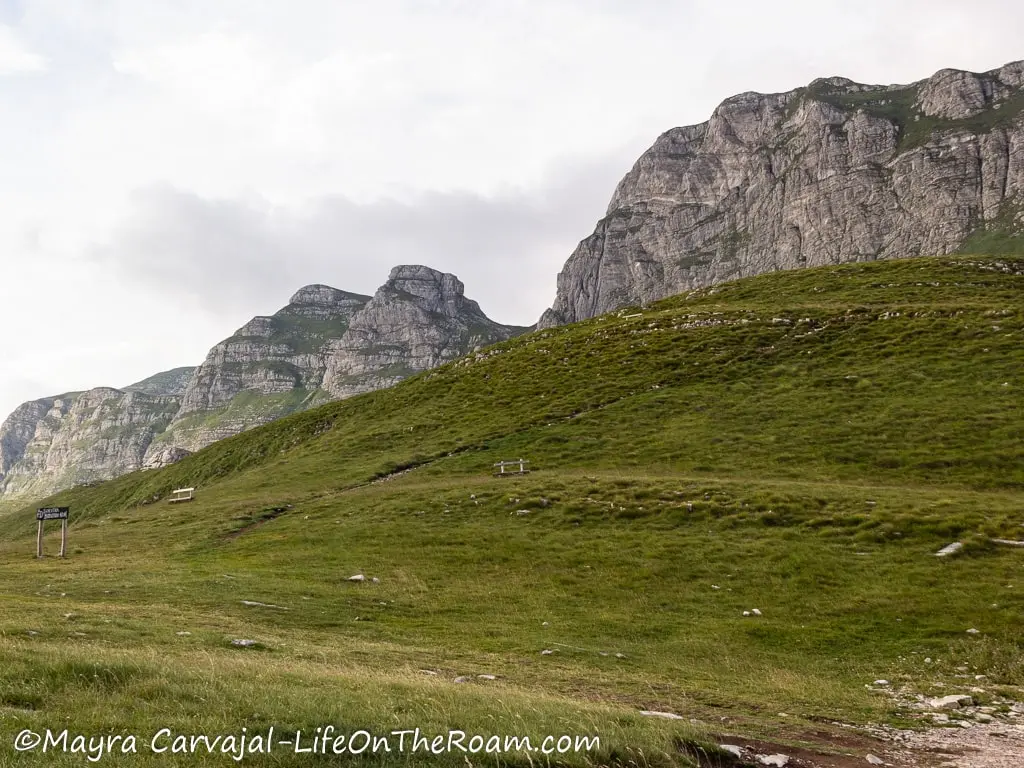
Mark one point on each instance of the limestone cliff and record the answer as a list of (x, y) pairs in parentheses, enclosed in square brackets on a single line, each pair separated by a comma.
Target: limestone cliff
[(78, 438), (417, 320), (834, 172)]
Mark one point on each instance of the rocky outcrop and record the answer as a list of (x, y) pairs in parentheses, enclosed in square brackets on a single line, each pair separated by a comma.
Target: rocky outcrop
[(78, 438), (324, 344), (172, 382), (276, 354), (834, 172), (419, 319)]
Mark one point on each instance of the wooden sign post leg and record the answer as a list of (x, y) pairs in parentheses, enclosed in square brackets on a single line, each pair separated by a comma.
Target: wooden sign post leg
[(63, 537), (39, 540)]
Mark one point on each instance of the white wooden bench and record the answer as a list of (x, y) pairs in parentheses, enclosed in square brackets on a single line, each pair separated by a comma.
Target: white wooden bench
[(505, 468), (182, 494)]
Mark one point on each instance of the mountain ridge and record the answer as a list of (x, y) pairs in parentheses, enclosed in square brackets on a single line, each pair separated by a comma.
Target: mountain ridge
[(271, 366)]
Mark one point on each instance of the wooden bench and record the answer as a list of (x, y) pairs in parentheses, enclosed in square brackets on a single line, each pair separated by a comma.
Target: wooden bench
[(505, 468), (182, 494)]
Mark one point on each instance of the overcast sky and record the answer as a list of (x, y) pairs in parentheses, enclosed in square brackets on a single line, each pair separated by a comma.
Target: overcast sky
[(169, 168)]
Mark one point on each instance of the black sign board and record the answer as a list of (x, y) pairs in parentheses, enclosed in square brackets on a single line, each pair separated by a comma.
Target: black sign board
[(52, 513)]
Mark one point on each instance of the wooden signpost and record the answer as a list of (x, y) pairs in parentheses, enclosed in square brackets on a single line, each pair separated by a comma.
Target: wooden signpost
[(52, 513)]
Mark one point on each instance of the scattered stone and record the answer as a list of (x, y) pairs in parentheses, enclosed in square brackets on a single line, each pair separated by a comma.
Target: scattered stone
[(244, 643), (875, 760), (665, 715), (950, 549), (546, 624), (487, 677), (715, 586), (732, 749), (746, 613), (882, 683), (32, 633), (951, 702), (546, 652), (620, 655), (1018, 708), (939, 718), (463, 679), (981, 717), (973, 631), (521, 512), (776, 761), (357, 577), (375, 580), (183, 634), (428, 672), (755, 611), (1008, 542)]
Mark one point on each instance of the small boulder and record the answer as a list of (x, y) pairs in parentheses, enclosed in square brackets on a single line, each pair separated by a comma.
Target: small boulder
[(357, 578), (243, 643), (732, 749), (776, 761), (951, 702), (462, 679), (875, 760)]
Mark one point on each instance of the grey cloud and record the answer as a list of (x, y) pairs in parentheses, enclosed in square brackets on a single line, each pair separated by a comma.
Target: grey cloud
[(235, 258)]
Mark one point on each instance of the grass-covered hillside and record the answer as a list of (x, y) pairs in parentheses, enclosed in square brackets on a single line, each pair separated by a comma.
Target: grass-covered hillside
[(801, 443)]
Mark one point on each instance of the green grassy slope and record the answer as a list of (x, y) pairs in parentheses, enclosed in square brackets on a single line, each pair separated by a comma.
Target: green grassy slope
[(800, 443)]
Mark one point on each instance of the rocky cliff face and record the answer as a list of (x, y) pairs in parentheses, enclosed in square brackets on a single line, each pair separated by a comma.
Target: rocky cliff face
[(324, 344), (830, 173), (172, 382), (77, 438), (417, 320)]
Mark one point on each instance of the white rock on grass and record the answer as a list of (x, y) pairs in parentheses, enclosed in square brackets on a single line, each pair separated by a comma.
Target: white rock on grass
[(732, 749), (487, 677), (357, 577), (244, 643), (875, 760), (950, 549), (755, 611), (546, 652), (664, 715), (462, 679), (776, 761), (882, 683), (973, 631), (951, 702)]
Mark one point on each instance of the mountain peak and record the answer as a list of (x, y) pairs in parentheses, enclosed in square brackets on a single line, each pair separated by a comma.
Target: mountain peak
[(322, 295)]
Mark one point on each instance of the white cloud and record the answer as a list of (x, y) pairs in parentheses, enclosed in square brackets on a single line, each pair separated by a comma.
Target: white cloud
[(15, 56)]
